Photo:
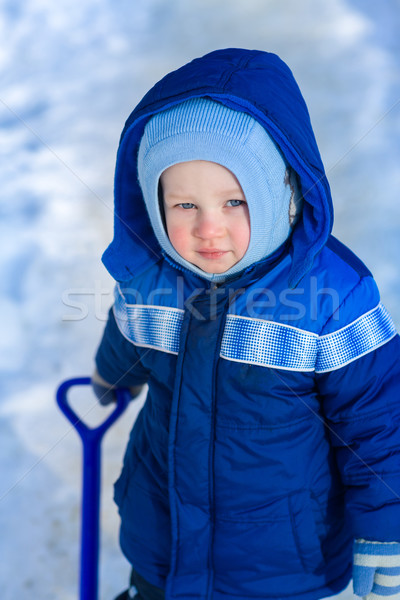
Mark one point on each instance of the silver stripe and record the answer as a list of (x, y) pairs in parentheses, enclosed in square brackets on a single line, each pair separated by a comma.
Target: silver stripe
[(268, 344), (276, 345), (148, 326), (368, 332), (260, 342)]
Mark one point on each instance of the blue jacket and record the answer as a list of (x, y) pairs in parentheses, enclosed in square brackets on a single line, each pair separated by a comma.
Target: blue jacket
[(270, 434)]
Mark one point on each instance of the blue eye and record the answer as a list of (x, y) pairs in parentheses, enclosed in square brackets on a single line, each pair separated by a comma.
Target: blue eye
[(235, 202), (186, 205)]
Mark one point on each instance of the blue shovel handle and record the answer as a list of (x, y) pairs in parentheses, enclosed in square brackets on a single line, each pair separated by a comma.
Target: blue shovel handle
[(91, 481)]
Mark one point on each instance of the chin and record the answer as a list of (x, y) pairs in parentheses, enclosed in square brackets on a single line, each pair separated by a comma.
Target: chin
[(217, 269)]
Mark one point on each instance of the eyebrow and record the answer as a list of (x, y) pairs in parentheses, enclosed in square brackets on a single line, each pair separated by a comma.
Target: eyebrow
[(232, 193), (176, 196)]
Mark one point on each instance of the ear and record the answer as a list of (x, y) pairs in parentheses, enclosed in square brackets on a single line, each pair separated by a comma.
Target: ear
[(296, 198), (161, 204)]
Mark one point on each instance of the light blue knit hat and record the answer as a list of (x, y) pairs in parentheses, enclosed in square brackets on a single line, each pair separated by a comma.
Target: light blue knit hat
[(202, 129)]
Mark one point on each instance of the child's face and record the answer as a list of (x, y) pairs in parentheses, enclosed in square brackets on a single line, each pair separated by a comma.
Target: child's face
[(206, 214)]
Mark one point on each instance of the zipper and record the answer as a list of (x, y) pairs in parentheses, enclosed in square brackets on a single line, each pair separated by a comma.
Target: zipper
[(211, 457)]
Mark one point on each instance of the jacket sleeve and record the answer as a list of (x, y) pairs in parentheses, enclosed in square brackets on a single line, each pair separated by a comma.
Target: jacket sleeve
[(360, 390), (117, 359)]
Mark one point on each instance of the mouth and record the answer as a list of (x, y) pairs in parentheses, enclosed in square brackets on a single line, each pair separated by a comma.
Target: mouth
[(213, 254)]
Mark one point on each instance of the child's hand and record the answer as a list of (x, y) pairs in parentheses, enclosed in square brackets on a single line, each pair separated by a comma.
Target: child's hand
[(376, 570), (106, 392)]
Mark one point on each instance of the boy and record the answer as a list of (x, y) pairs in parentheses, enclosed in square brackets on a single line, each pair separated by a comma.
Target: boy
[(265, 462)]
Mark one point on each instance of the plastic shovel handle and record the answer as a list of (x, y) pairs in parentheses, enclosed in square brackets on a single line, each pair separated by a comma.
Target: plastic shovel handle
[(85, 432), (91, 481)]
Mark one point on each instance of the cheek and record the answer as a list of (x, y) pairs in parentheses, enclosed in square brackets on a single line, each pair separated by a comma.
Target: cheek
[(178, 236), (241, 234)]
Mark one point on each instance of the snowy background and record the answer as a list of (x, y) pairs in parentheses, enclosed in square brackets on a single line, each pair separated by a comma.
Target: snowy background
[(71, 71)]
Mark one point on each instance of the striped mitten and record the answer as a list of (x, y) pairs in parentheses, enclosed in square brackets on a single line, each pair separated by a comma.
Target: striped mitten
[(376, 570)]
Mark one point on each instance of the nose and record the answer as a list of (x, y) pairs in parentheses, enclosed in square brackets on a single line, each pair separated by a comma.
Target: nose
[(208, 226)]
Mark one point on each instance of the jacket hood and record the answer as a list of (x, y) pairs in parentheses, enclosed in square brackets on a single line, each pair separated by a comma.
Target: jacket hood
[(258, 83)]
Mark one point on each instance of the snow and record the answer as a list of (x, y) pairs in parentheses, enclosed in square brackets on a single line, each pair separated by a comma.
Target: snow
[(71, 72)]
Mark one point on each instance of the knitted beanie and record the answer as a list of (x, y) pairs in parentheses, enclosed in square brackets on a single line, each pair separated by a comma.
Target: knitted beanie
[(202, 129)]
